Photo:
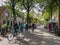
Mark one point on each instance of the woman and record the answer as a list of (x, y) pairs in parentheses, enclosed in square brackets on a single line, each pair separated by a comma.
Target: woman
[(49, 27)]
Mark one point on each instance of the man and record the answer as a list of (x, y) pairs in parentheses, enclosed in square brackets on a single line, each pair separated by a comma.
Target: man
[(15, 27), (26, 27), (33, 26)]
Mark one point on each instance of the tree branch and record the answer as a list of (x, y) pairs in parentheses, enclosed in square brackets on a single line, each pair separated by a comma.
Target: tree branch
[(24, 4)]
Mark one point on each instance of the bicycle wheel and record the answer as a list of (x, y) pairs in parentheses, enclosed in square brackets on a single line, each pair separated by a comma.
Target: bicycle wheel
[(10, 37)]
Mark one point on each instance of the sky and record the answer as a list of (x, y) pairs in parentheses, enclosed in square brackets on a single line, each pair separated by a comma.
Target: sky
[(2, 2)]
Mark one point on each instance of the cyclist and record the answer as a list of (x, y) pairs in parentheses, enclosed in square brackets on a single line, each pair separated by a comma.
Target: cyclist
[(15, 28)]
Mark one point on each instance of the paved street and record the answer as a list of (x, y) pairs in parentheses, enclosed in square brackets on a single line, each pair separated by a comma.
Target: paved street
[(26, 38), (39, 37), (49, 38)]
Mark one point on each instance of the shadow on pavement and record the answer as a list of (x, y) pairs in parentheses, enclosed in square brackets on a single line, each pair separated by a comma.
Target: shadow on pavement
[(30, 39), (49, 40), (0, 39)]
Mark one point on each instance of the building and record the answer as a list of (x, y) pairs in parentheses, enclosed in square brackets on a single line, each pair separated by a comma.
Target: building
[(2, 9), (6, 16)]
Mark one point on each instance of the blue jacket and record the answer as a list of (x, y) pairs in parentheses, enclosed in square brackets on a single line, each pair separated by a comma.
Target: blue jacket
[(21, 26)]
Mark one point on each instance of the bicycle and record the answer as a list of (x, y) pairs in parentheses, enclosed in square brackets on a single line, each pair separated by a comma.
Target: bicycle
[(11, 35)]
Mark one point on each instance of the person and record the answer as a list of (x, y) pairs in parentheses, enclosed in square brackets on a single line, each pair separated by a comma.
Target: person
[(21, 26), (26, 27), (16, 28), (33, 26), (56, 30), (56, 26), (49, 27)]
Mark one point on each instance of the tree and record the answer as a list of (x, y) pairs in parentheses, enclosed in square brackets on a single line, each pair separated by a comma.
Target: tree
[(13, 4), (13, 10), (59, 13), (28, 5), (57, 4), (50, 6)]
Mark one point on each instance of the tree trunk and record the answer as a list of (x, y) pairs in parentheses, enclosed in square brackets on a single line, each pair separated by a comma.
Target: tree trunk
[(0, 23), (14, 14), (51, 13), (28, 16), (13, 9), (59, 15)]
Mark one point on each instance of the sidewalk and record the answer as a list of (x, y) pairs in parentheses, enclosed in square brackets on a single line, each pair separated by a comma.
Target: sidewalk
[(3, 41), (27, 38)]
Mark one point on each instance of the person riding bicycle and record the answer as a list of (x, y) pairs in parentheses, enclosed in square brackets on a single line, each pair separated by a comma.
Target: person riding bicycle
[(16, 27)]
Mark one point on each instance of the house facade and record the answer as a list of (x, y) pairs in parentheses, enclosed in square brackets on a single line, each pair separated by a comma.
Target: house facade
[(6, 16), (2, 9)]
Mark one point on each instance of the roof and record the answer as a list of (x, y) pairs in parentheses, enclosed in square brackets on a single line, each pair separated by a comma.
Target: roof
[(2, 9)]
